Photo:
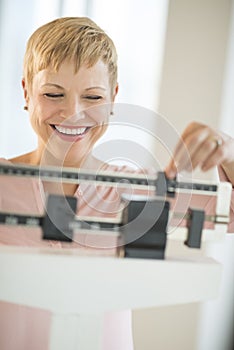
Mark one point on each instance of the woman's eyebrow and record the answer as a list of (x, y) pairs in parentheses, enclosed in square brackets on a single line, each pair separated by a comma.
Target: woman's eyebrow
[(53, 85), (95, 87), (60, 87)]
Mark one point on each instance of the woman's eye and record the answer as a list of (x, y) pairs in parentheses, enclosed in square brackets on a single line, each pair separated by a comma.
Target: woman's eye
[(50, 95), (93, 97)]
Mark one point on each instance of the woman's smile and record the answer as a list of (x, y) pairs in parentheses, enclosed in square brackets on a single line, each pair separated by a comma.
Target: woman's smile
[(70, 133)]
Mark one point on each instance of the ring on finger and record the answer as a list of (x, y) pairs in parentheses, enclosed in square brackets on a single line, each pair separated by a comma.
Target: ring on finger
[(218, 142)]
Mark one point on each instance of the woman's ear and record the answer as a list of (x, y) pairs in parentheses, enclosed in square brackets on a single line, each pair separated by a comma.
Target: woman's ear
[(25, 91), (115, 92), (116, 89)]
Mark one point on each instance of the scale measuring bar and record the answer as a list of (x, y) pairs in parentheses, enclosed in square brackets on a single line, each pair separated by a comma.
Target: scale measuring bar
[(158, 183)]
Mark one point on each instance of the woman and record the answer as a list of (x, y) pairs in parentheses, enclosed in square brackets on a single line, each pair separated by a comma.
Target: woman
[(70, 85)]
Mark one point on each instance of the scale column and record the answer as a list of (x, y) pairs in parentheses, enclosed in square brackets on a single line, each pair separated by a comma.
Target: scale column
[(76, 331)]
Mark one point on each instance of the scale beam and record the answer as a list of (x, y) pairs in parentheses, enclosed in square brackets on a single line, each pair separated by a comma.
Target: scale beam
[(160, 184)]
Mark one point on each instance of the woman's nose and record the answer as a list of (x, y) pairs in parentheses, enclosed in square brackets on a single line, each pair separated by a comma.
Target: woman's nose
[(73, 109)]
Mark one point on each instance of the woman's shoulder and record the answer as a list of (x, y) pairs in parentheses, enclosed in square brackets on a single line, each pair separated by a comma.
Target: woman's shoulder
[(4, 160), (15, 160)]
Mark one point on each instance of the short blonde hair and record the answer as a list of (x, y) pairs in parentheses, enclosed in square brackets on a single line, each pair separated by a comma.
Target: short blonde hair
[(69, 38)]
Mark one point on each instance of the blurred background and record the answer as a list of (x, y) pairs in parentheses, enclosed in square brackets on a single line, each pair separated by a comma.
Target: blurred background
[(176, 59)]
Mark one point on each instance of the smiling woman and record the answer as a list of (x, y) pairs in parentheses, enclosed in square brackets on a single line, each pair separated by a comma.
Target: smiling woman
[(68, 111), (69, 90)]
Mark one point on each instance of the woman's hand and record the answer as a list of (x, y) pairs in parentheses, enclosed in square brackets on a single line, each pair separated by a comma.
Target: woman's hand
[(201, 146)]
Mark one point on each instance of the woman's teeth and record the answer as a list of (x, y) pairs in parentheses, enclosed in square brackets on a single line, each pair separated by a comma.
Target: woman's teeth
[(68, 131)]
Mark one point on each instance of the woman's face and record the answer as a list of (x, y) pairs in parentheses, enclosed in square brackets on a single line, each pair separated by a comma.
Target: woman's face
[(69, 111)]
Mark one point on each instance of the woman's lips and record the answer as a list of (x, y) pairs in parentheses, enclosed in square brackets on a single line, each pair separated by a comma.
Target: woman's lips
[(70, 133)]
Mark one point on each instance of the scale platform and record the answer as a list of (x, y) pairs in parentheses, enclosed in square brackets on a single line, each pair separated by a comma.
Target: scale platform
[(85, 287)]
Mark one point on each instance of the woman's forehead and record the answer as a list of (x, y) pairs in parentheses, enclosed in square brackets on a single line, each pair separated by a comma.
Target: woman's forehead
[(96, 75)]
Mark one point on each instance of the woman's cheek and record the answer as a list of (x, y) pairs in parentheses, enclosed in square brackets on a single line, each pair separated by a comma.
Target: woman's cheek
[(45, 112), (100, 114)]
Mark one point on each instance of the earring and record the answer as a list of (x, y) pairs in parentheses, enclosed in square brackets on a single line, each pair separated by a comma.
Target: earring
[(111, 113), (25, 108)]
